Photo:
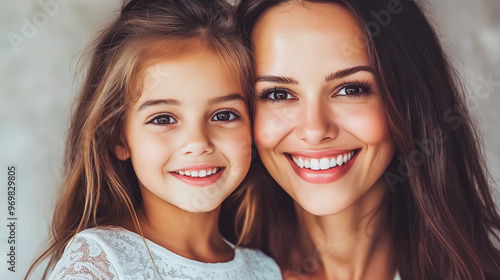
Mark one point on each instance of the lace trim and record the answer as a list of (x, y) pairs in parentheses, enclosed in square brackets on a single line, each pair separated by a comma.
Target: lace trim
[(116, 253), (82, 260)]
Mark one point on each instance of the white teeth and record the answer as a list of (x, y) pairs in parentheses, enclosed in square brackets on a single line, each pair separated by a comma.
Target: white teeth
[(339, 160), (324, 164), (200, 173), (314, 164)]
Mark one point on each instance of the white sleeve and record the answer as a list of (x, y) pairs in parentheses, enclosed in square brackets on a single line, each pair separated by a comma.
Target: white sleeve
[(84, 259)]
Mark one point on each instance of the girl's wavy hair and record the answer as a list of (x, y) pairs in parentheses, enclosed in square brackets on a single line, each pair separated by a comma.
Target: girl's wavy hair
[(442, 214), (98, 189)]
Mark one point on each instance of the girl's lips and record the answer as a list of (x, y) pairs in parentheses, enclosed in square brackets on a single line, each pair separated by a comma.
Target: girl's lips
[(328, 175), (200, 181)]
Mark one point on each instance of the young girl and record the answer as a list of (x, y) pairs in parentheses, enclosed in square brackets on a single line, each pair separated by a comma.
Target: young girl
[(159, 138)]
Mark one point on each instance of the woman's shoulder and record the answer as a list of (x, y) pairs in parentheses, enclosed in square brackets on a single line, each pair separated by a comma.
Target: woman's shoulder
[(256, 260)]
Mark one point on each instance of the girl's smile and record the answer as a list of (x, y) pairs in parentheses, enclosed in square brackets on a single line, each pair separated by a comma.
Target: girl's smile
[(203, 175)]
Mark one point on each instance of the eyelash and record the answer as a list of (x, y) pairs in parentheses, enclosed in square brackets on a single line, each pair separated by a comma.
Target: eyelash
[(365, 86), (230, 111), (162, 115), (264, 94), (154, 119)]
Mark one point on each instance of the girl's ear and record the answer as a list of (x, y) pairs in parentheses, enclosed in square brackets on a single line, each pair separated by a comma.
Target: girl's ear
[(121, 149), (122, 152)]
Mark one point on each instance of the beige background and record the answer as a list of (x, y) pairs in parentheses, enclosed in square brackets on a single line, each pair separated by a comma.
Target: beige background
[(37, 84)]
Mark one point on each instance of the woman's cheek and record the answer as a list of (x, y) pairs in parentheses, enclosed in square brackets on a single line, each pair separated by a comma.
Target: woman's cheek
[(367, 123), (272, 125)]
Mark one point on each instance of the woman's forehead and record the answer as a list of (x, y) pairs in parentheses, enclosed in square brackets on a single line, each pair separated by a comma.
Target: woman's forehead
[(313, 34)]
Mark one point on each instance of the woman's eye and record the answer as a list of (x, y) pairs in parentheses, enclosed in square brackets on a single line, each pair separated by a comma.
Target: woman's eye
[(225, 116), (353, 90), (276, 94), (163, 120)]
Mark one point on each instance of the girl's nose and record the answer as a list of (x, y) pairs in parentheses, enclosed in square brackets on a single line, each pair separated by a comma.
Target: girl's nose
[(197, 142)]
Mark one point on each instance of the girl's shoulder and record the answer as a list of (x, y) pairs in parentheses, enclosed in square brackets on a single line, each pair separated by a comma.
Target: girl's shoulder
[(116, 253), (89, 254), (256, 260)]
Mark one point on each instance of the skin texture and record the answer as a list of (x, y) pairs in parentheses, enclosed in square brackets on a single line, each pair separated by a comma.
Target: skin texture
[(296, 48), (189, 129)]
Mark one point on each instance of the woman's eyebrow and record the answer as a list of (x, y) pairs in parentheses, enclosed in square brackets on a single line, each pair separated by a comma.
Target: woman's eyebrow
[(276, 79), (336, 75), (348, 71)]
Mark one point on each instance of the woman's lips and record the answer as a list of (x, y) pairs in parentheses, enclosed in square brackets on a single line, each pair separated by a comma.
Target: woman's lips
[(322, 167)]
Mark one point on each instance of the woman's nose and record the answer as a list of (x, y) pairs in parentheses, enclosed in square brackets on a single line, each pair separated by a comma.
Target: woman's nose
[(315, 123)]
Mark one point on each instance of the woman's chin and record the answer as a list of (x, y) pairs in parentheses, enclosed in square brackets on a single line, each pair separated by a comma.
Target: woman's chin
[(324, 205)]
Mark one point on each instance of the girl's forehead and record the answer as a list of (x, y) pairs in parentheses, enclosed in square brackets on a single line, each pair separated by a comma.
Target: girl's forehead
[(188, 77), (153, 53)]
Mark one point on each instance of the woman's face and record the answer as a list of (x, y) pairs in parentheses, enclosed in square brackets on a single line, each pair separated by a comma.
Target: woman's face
[(319, 121)]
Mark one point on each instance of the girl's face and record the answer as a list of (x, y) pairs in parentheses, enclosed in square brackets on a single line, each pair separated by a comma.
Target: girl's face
[(188, 135), (319, 121)]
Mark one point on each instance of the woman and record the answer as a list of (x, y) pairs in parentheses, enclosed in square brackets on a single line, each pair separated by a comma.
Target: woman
[(361, 121)]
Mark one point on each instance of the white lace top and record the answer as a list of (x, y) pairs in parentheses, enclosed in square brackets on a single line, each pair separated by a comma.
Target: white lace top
[(116, 253)]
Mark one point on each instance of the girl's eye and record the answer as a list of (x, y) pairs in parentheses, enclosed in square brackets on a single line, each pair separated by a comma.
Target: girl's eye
[(276, 94), (225, 116), (163, 120)]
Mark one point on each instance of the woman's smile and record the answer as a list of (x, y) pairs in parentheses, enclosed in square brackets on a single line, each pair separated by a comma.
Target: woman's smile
[(321, 167)]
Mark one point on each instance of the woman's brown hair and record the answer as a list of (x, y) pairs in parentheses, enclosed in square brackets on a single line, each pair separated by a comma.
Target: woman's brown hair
[(98, 189), (443, 218)]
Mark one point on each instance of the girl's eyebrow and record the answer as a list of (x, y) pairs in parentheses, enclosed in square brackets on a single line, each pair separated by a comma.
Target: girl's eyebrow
[(336, 75), (211, 101), (154, 102), (230, 97)]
